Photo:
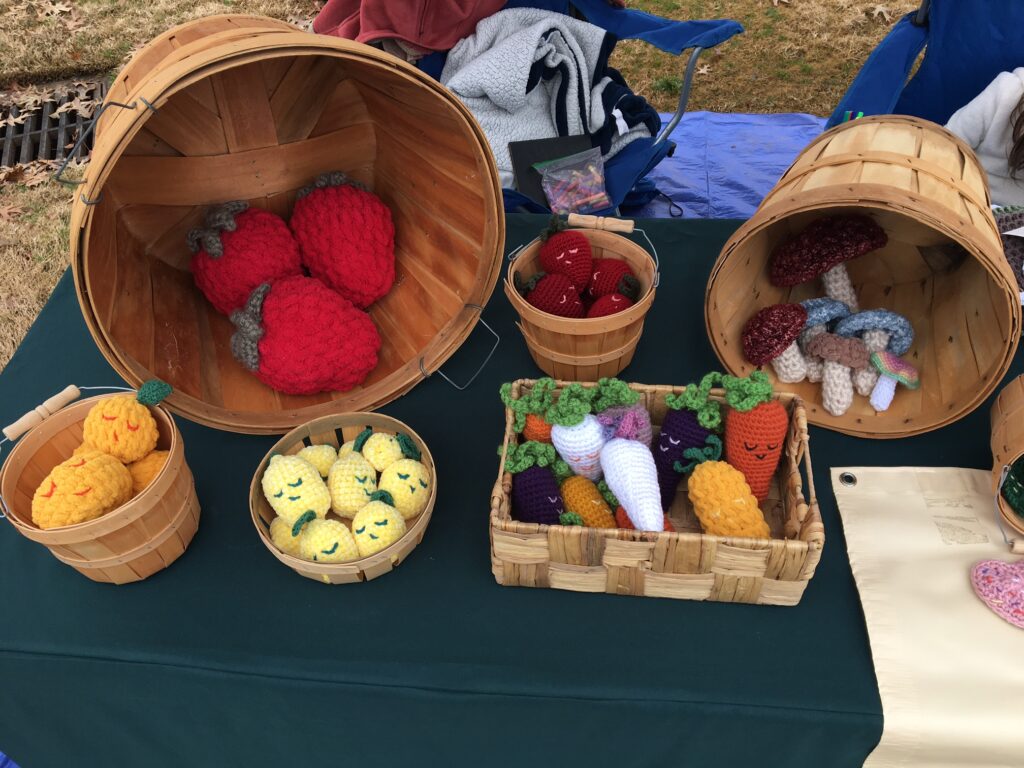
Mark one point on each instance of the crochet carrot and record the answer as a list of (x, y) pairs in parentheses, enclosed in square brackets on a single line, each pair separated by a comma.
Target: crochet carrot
[(583, 498), (691, 418), (575, 431), (755, 430), (622, 521), (529, 409), (536, 497)]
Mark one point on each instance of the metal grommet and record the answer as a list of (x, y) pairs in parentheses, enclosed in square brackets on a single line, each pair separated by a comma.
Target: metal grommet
[(848, 478)]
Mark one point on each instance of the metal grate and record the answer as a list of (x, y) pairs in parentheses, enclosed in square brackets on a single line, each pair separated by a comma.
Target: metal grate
[(44, 135)]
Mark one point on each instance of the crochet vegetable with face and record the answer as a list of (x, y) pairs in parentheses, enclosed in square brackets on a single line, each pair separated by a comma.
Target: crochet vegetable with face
[(723, 502), (771, 335), (240, 249), (122, 425), (320, 456), (631, 475), (408, 482), (822, 314), (326, 541), (691, 418), (300, 337), (80, 489), (294, 488), (382, 449), (613, 276), (536, 497), (892, 370), (352, 481), (576, 433), (346, 237), (566, 252), (881, 331), (281, 535), (529, 409), (145, 469), (841, 356), (582, 498), (377, 525), (755, 430), (553, 294)]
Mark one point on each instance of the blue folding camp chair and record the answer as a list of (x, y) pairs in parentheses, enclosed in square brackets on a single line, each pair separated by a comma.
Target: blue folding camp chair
[(625, 173), (969, 43)]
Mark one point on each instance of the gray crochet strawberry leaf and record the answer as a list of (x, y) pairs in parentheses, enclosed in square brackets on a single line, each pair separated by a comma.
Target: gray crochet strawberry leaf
[(249, 329), (219, 219), (330, 179)]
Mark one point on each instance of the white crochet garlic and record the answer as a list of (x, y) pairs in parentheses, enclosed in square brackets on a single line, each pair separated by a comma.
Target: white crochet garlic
[(632, 476)]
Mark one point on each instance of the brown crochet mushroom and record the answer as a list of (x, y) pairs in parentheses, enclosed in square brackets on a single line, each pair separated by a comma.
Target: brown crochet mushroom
[(841, 354), (770, 337)]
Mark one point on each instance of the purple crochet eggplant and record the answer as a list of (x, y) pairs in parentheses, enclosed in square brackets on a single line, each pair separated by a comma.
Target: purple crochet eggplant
[(692, 417), (535, 468)]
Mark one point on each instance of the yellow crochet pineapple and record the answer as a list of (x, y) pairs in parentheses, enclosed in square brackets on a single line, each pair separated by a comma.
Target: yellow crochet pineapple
[(381, 450), (145, 469), (724, 503), (352, 481), (320, 456), (581, 496), (294, 488), (81, 488), (408, 482), (122, 425), (327, 541), (377, 525), (281, 535)]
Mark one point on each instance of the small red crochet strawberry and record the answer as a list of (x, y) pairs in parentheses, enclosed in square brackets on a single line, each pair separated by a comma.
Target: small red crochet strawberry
[(613, 276), (238, 249), (609, 304), (566, 252), (346, 237), (553, 294), (300, 337)]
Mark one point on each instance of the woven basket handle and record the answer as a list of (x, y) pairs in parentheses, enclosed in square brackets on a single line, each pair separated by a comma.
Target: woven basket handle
[(600, 222), (36, 416)]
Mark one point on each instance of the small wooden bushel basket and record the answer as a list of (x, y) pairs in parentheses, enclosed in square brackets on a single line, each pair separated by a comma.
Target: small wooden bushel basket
[(1007, 418), (686, 564)]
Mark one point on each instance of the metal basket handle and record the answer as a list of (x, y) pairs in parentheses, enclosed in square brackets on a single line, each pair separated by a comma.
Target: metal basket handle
[(497, 341)]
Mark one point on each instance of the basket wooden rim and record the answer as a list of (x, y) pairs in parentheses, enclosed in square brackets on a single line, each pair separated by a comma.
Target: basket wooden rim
[(562, 357), (413, 534)]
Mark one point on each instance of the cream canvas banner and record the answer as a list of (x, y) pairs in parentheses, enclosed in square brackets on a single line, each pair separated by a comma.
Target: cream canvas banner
[(950, 672)]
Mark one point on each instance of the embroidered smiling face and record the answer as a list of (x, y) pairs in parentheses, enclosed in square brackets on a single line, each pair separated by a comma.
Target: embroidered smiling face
[(121, 426), (377, 525), (293, 487), (82, 488), (408, 482), (352, 480), (327, 541), (764, 451)]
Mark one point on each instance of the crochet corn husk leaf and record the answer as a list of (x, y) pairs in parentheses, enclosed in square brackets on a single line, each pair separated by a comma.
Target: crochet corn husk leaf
[(574, 403), (612, 392), (409, 448), (361, 438), (712, 451), (384, 496), (153, 392), (533, 454), (537, 401), (555, 225), (306, 517), (249, 329), (219, 219), (697, 398), (745, 394), (330, 179)]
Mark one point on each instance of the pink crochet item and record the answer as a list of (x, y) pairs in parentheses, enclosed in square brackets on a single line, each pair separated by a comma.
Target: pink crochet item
[(1000, 585)]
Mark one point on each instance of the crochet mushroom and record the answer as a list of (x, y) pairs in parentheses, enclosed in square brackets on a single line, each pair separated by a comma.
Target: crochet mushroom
[(880, 330), (892, 370), (770, 337), (840, 354), (821, 313), (821, 250)]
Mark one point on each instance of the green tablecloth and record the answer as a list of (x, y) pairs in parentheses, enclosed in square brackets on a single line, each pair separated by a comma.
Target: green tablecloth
[(228, 658)]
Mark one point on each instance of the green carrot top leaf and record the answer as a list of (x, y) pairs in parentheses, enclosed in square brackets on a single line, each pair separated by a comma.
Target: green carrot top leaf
[(712, 451), (745, 394), (697, 398), (612, 392), (533, 454), (537, 401), (573, 405), (605, 491)]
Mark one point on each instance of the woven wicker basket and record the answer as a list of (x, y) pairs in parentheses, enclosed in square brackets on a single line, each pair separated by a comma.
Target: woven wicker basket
[(336, 430), (687, 564), (943, 267), (130, 543), (257, 114), (1007, 419)]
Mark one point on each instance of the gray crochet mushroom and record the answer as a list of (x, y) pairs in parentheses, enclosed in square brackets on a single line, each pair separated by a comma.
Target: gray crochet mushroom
[(841, 354), (881, 331), (821, 313)]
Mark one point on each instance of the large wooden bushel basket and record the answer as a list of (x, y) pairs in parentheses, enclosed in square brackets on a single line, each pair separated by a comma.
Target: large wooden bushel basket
[(943, 267), (238, 108)]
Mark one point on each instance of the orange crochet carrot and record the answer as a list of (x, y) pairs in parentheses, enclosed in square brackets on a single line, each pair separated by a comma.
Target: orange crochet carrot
[(537, 429), (755, 430), (529, 409), (622, 521)]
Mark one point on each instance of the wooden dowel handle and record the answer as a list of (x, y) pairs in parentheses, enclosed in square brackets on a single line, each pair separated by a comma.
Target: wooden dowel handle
[(35, 417), (600, 222), (1017, 546)]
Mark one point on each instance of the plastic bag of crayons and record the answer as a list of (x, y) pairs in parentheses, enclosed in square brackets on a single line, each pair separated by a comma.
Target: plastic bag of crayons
[(575, 184)]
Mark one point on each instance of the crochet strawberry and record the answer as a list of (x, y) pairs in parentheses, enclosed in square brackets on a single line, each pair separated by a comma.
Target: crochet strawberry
[(300, 337), (240, 248), (609, 304), (553, 294), (566, 252), (613, 276), (346, 237)]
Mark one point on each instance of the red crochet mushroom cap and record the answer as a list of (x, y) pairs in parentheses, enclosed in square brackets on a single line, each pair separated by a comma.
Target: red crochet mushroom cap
[(300, 337), (821, 246), (771, 330), (346, 237)]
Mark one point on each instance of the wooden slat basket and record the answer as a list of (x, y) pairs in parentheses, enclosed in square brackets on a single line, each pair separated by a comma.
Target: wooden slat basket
[(131, 543), (686, 564), (1007, 418), (238, 108), (337, 430), (943, 267)]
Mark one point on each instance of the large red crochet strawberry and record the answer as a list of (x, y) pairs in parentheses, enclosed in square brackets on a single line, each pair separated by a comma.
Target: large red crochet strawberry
[(613, 276), (238, 249), (300, 337), (553, 294), (609, 304), (566, 252), (346, 237)]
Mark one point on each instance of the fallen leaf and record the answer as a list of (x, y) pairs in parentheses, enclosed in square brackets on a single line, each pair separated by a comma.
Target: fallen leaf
[(53, 9), (881, 10), (776, 2), (10, 212), (704, 69), (12, 175)]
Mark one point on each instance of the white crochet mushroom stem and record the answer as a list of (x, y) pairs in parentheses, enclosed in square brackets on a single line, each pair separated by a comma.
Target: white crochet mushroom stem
[(790, 367), (882, 394), (836, 388), (580, 446), (632, 476), (815, 366), (838, 286), (864, 379)]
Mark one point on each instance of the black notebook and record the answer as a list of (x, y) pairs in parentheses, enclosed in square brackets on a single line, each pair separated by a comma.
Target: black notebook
[(525, 154)]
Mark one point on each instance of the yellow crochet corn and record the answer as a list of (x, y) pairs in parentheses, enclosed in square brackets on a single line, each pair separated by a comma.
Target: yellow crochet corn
[(281, 535), (145, 469), (352, 481), (724, 503), (382, 450), (293, 487), (377, 525), (121, 426), (82, 488), (320, 456), (408, 482), (327, 541), (581, 496), (346, 449)]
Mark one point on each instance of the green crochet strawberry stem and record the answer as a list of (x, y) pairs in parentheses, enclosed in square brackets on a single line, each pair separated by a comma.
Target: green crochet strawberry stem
[(153, 391), (629, 287), (712, 451), (361, 439), (745, 394), (308, 516), (409, 449), (384, 496), (570, 518), (572, 407), (697, 398), (612, 392), (536, 401)]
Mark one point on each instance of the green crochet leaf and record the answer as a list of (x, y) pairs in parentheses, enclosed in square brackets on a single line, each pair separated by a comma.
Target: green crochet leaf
[(697, 398), (602, 486), (361, 439), (409, 449), (529, 454), (712, 451), (612, 392), (555, 225), (537, 401), (745, 394), (570, 518), (572, 407), (153, 392), (308, 516), (384, 496)]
